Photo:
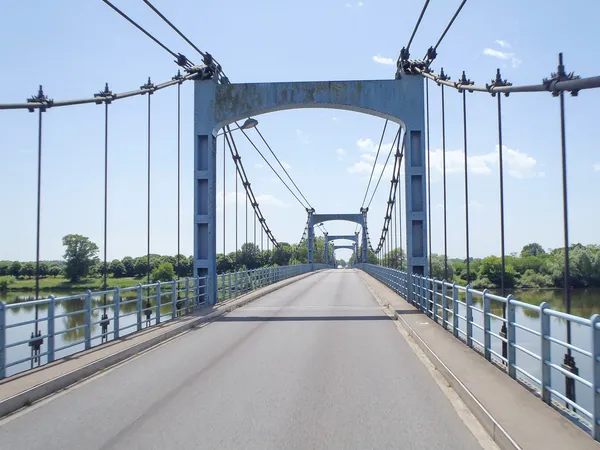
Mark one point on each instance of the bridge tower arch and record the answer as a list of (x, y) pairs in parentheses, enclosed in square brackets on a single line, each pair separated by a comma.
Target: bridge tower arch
[(217, 105)]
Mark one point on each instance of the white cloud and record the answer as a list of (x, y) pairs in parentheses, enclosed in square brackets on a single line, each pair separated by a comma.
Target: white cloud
[(341, 153), (597, 167), (270, 200), (286, 165), (382, 60), (262, 199), (303, 137), (368, 145), (356, 5), (258, 165), (335, 119), (517, 164), (515, 62), (503, 44), (496, 53)]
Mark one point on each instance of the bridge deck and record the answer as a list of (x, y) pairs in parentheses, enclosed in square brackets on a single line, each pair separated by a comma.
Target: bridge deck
[(316, 364)]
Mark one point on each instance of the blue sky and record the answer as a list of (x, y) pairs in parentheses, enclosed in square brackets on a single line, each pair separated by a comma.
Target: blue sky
[(74, 48)]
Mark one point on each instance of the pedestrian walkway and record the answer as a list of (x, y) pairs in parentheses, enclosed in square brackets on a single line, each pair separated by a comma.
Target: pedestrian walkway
[(503, 406)]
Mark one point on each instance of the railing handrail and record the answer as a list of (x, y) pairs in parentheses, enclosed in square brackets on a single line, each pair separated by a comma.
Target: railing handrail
[(161, 295), (433, 296)]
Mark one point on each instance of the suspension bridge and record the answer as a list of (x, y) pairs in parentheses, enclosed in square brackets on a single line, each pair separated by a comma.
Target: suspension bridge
[(299, 355)]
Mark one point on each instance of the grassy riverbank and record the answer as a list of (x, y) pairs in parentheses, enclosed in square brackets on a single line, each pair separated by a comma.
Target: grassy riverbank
[(63, 284)]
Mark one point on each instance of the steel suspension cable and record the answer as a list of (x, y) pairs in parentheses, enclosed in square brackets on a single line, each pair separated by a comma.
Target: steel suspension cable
[(399, 211), (417, 25), (394, 208), (428, 175), (236, 214), (503, 329), (271, 167), (449, 24), (180, 59), (444, 178), (281, 165), (179, 180), (396, 138), (374, 163), (224, 190), (207, 58), (149, 90), (37, 240), (464, 99), (247, 186)]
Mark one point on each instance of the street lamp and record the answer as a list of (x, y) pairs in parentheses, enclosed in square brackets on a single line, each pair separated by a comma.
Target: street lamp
[(248, 123)]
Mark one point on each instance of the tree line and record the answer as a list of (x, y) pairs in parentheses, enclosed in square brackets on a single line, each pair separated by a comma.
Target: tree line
[(533, 267), (81, 261)]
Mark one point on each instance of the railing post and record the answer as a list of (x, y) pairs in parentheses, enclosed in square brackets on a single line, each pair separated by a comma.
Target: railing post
[(545, 354), (454, 310), (595, 347), (88, 319), (117, 312), (435, 302), (139, 306), (424, 296), (51, 313), (174, 299), (511, 353), (2, 340), (223, 296), (235, 283), (487, 321), (158, 303), (469, 315), (444, 305), (187, 295), (229, 283)]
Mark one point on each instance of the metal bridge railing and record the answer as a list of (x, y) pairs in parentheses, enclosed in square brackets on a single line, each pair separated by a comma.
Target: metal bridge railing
[(475, 317), (79, 322)]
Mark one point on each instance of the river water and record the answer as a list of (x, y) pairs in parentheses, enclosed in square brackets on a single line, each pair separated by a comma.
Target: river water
[(583, 303)]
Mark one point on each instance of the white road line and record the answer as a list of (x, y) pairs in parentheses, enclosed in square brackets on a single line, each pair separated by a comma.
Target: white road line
[(482, 437)]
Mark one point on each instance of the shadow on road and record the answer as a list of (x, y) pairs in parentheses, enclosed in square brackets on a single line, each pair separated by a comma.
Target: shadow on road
[(301, 318)]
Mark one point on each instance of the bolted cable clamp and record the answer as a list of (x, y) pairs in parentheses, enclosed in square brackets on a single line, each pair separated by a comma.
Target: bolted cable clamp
[(105, 95), (497, 82), (40, 98), (149, 87), (463, 82), (560, 75)]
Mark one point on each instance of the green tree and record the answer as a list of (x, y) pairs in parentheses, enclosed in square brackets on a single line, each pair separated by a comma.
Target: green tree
[(28, 269), (164, 272), (533, 249), (15, 269), (185, 268), (140, 266), (44, 268), (129, 264), (224, 263), (4, 268), (54, 271), (438, 268), (282, 254), (80, 255), (117, 268), (491, 268)]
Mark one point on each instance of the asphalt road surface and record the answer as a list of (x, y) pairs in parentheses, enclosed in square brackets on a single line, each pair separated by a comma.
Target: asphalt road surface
[(315, 365)]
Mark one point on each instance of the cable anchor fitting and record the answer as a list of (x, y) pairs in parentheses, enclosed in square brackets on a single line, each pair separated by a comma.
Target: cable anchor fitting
[(560, 75), (40, 98), (496, 83)]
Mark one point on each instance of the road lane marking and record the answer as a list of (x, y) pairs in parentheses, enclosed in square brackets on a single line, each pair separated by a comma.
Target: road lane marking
[(464, 413)]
